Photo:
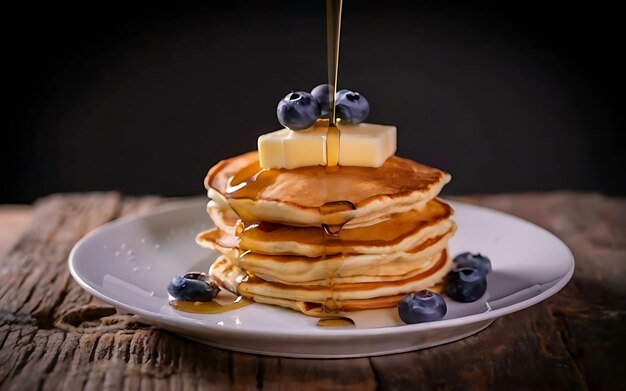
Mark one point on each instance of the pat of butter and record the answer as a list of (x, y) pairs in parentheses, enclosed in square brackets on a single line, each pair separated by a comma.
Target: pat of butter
[(362, 145)]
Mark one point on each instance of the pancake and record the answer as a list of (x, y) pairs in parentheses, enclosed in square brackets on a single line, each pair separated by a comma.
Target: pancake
[(323, 240), (399, 232), (289, 269), (317, 195), (320, 299)]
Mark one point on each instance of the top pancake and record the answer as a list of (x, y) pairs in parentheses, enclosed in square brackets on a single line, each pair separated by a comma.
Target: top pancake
[(316, 195)]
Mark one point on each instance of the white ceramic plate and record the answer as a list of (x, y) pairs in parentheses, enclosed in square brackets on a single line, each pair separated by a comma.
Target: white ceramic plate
[(128, 263)]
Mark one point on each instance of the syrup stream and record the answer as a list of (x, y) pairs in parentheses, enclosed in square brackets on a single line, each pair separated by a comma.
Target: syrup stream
[(333, 30), (333, 33)]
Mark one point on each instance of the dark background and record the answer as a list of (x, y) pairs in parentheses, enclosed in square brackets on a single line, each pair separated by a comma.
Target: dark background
[(145, 98)]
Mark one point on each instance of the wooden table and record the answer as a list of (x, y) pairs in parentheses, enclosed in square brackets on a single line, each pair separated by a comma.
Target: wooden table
[(54, 335)]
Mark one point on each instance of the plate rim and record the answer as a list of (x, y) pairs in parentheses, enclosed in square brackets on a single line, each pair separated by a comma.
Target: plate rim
[(327, 334)]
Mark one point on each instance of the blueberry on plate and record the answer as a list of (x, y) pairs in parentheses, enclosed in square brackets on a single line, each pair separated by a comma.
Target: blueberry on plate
[(298, 110), (351, 107), (322, 94), (193, 287), (476, 261), (465, 284), (422, 306)]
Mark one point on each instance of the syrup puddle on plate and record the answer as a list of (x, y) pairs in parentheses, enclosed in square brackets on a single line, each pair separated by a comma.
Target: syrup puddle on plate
[(218, 305), (336, 321)]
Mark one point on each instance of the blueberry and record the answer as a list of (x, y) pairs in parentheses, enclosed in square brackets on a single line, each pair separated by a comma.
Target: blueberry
[(193, 287), (351, 107), (476, 261), (465, 284), (422, 306), (322, 93), (298, 110)]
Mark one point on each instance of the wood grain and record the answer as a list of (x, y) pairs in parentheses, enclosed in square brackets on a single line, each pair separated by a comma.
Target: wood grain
[(54, 335), (14, 219)]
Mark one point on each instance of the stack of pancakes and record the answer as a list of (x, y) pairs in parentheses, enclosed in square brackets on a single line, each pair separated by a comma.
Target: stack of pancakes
[(327, 239)]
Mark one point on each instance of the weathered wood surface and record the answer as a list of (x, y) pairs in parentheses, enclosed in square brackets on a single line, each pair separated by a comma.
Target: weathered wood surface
[(13, 220), (53, 335)]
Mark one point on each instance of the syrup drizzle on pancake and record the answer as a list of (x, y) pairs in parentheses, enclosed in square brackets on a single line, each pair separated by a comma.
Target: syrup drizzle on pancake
[(332, 238), (314, 186)]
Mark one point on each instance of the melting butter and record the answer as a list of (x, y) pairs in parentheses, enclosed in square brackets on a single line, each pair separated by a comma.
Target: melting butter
[(362, 145)]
